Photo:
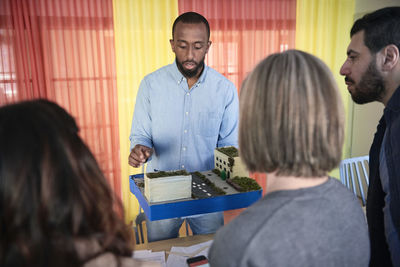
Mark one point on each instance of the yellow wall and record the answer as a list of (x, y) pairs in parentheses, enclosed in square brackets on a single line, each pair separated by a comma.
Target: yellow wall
[(323, 29), (142, 32)]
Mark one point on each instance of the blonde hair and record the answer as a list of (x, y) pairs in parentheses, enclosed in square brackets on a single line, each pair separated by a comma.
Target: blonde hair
[(291, 116)]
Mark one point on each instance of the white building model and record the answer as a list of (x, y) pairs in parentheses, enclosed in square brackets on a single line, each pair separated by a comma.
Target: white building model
[(227, 160), (167, 187)]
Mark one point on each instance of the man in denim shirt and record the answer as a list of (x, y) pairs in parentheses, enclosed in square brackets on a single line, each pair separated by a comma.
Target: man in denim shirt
[(372, 71), (183, 112)]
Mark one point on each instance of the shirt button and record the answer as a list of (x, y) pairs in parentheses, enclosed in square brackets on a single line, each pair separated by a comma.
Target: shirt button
[(185, 131), (187, 113), (183, 166), (183, 148), (187, 94)]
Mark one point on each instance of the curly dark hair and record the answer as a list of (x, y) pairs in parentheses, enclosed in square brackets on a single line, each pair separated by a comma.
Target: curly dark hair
[(52, 191)]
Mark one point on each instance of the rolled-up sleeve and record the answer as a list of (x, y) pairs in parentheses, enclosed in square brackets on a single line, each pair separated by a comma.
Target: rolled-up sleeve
[(141, 122), (228, 134)]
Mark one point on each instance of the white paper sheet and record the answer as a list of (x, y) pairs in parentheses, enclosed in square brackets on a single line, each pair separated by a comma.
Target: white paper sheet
[(178, 255), (148, 255)]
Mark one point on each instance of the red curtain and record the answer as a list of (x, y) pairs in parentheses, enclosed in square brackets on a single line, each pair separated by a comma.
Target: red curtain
[(63, 50), (243, 32)]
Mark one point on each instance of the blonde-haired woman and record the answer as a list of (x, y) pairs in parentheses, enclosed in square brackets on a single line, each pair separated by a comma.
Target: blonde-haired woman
[(292, 128)]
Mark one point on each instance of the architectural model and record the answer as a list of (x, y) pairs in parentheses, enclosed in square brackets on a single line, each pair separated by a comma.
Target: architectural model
[(229, 169)]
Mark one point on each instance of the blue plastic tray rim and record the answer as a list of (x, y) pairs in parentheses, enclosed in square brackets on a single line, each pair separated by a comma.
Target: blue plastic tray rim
[(166, 210)]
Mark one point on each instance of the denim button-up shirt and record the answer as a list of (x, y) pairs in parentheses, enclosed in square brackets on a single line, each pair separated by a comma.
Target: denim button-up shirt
[(184, 126)]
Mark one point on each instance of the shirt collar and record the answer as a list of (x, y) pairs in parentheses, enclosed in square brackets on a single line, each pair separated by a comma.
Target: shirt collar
[(179, 77)]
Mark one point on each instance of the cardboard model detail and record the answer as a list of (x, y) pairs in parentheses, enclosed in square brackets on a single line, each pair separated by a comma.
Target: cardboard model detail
[(168, 186), (226, 159)]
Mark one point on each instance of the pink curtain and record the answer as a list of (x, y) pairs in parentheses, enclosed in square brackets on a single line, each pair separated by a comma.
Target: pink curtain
[(243, 32), (63, 50)]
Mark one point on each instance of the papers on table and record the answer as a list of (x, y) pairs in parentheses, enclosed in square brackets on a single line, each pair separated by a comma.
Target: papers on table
[(148, 255), (178, 255)]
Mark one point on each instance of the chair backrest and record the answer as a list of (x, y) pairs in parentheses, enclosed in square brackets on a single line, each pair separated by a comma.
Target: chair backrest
[(354, 174), (139, 231), (139, 235)]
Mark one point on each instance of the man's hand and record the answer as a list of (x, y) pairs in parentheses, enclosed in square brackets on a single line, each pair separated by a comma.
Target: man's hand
[(139, 155)]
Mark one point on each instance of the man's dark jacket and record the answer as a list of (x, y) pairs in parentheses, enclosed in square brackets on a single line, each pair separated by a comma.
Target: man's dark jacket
[(390, 122)]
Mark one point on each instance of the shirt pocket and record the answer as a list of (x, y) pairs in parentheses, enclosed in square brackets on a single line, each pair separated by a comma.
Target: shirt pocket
[(208, 124)]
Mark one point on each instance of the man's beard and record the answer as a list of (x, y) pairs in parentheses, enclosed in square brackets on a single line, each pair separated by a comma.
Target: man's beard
[(189, 73), (371, 87)]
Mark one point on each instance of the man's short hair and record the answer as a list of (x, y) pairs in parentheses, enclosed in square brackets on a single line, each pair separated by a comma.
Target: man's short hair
[(291, 117), (381, 28), (191, 18)]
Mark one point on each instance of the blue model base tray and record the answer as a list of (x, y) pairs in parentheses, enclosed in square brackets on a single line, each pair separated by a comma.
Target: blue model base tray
[(186, 207)]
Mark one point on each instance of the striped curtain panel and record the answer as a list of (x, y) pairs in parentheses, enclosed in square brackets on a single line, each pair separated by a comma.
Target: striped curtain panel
[(63, 50)]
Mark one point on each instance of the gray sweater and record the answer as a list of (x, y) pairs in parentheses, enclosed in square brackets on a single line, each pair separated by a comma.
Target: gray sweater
[(318, 226)]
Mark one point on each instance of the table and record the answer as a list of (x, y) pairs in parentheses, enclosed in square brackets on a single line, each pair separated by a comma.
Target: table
[(166, 245)]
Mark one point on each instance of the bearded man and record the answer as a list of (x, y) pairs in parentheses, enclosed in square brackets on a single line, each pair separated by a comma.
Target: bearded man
[(183, 112), (372, 73)]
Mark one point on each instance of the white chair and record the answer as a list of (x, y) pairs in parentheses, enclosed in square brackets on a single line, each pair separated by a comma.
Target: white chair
[(354, 174)]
